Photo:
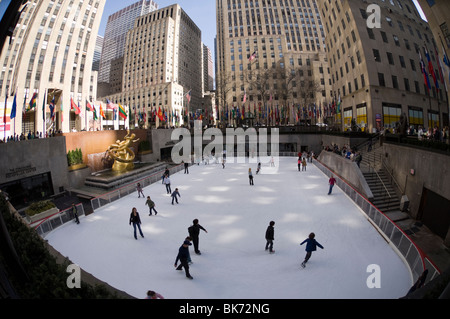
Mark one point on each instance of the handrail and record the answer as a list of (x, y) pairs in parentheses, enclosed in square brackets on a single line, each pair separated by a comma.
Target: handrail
[(383, 222), (384, 163), (385, 188)]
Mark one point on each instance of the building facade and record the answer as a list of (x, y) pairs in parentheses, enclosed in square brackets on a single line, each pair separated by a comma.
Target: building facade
[(383, 64), (48, 64), (162, 68), (272, 66), (117, 26)]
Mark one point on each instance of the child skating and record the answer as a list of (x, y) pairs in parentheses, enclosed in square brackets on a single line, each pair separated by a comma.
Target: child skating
[(151, 205), (311, 245), (139, 190), (174, 195)]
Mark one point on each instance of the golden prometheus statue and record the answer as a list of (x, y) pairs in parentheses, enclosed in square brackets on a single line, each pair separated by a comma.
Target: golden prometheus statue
[(122, 154)]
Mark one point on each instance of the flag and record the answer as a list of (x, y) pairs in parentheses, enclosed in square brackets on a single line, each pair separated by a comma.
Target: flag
[(62, 113), (122, 112), (252, 57), (188, 96), (446, 61), (43, 106), (339, 105), (110, 106), (52, 108), (89, 106), (424, 72), (160, 114), (245, 97), (95, 114), (32, 103), (102, 114), (14, 108), (74, 107), (431, 69)]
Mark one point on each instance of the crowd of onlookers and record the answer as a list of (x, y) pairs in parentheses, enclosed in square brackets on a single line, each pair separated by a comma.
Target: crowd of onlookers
[(346, 151), (432, 133), (29, 136)]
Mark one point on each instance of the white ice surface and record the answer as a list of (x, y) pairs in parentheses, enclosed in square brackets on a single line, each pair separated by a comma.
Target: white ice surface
[(234, 263)]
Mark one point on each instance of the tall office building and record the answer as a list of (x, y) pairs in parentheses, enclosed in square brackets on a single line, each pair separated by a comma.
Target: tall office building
[(162, 63), (271, 61), (49, 62), (208, 70), (116, 30), (383, 64), (97, 53)]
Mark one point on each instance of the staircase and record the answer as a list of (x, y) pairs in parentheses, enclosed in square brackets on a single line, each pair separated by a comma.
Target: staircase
[(385, 196)]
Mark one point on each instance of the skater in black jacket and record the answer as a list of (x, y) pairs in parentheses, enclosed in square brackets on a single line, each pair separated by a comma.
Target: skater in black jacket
[(183, 256), (136, 220), (174, 195), (270, 237), (194, 232), (311, 245)]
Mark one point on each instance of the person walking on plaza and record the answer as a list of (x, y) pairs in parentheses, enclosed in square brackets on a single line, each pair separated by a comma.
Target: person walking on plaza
[(194, 232), (167, 183), (174, 195), (311, 245), (136, 220), (250, 176), (183, 256), (75, 213), (151, 206), (331, 181), (139, 190), (270, 237)]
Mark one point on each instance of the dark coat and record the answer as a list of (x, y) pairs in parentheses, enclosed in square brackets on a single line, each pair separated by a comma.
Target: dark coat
[(311, 244), (183, 254), (270, 233), (194, 230), (135, 219)]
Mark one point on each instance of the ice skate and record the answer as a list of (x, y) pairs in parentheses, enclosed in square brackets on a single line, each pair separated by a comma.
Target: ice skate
[(303, 264)]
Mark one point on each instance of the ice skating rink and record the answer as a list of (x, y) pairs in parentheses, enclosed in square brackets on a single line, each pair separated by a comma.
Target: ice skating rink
[(234, 263)]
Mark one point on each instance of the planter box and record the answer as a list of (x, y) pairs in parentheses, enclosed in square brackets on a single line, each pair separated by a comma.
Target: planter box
[(34, 218), (77, 166)]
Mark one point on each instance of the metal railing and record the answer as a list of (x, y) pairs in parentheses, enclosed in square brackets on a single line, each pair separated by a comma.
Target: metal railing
[(46, 225), (415, 258)]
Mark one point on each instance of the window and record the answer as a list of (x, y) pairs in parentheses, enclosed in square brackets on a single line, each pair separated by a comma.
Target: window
[(394, 82), (390, 58), (415, 116), (391, 114), (376, 55), (381, 79)]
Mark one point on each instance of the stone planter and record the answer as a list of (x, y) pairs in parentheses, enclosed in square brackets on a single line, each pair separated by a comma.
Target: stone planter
[(34, 218), (77, 166)]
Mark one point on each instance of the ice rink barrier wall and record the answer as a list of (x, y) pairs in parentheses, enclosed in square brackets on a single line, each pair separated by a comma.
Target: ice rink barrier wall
[(415, 258)]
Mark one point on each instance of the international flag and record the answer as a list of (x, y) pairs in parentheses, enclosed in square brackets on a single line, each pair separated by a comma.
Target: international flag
[(424, 72), (339, 104), (431, 69), (252, 57), (44, 103), (446, 61), (33, 102), (122, 112), (14, 108), (52, 108), (110, 106), (74, 107), (245, 97), (89, 106), (188, 96), (160, 114), (102, 114), (95, 114)]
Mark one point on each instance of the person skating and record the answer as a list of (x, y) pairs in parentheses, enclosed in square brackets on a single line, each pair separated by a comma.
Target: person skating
[(304, 164), (250, 176), (186, 168), (331, 181), (139, 190), (258, 169), (194, 232), (167, 183), (174, 195), (151, 206), (189, 239), (311, 245), (75, 213), (183, 256), (136, 220), (270, 232)]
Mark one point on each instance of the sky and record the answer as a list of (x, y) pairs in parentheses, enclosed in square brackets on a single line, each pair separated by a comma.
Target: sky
[(233, 263)]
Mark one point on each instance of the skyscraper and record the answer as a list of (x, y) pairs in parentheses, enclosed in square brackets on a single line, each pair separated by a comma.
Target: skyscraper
[(383, 64), (162, 67), (48, 64), (116, 30), (271, 62)]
